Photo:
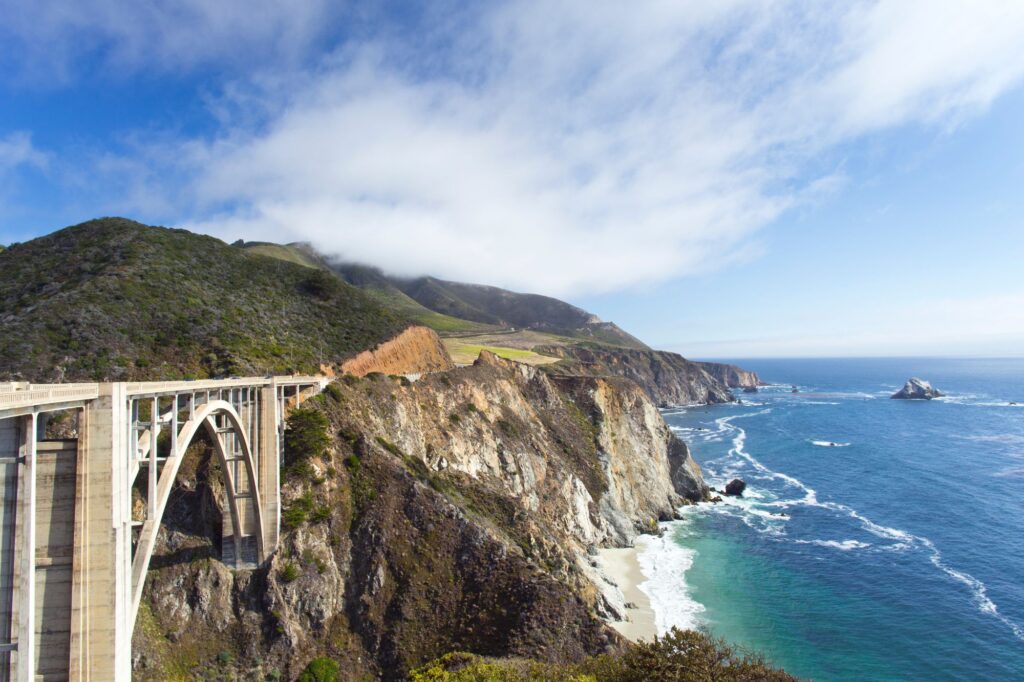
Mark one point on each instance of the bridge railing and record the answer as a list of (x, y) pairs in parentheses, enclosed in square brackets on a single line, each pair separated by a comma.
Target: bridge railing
[(22, 401)]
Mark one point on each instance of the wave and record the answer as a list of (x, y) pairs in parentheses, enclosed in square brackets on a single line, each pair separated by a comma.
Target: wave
[(829, 444), (844, 545), (664, 565), (900, 540)]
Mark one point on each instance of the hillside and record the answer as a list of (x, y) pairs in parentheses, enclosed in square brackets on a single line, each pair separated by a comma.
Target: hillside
[(491, 305), (371, 281), (115, 299)]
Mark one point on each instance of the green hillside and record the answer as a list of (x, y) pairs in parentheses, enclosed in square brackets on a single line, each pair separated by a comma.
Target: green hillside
[(495, 306), (114, 299), (373, 282)]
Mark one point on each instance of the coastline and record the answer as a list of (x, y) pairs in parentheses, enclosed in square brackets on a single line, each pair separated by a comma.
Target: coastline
[(621, 565)]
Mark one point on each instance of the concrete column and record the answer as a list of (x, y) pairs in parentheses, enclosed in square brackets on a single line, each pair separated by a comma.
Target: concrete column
[(10, 445), (269, 469), (26, 564), (101, 598)]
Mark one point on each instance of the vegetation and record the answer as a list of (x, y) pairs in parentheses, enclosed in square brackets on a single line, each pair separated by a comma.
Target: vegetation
[(112, 299), (679, 656), (320, 670), (494, 306), (289, 572), (465, 352), (305, 435)]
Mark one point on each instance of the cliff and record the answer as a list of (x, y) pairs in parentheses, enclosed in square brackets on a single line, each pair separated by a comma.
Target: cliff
[(450, 513), (731, 375), (417, 350), (667, 378)]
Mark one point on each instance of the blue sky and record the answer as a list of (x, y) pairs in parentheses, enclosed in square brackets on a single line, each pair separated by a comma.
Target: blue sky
[(723, 179)]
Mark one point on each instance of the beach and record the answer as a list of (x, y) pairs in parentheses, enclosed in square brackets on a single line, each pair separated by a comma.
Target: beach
[(621, 565)]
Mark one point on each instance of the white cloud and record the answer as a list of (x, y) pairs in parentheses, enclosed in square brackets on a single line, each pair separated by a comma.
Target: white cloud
[(16, 149), (568, 148), (586, 147)]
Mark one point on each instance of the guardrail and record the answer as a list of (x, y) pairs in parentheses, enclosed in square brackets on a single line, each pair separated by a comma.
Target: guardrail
[(23, 398)]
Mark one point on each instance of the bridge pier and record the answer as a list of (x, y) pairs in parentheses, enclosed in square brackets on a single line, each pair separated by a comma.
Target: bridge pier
[(101, 635)]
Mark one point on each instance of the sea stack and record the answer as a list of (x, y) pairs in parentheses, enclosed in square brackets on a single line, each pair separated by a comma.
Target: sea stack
[(917, 389), (735, 487)]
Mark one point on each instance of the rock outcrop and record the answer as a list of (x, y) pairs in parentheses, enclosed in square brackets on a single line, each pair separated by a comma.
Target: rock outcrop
[(731, 375), (456, 512), (917, 389), (668, 378), (417, 350), (735, 487)]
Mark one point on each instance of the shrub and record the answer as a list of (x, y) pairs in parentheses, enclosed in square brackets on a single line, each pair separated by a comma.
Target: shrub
[(679, 656), (289, 572), (320, 514), (320, 669), (390, 447), (334, 392), (297, 512), (305, 435)]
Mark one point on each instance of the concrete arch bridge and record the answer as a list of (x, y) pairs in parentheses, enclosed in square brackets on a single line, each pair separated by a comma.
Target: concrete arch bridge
[(74, 549)]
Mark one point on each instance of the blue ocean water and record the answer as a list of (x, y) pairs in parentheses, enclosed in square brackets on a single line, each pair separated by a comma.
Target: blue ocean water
[(895, 554)]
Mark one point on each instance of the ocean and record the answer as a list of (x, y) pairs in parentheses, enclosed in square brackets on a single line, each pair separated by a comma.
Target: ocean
[(877, 539)]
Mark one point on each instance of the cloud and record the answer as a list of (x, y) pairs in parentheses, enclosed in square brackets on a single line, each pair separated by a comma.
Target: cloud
[(568, 148), (17, 150)]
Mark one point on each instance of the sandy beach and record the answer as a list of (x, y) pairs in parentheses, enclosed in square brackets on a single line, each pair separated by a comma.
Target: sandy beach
[(622, 567)]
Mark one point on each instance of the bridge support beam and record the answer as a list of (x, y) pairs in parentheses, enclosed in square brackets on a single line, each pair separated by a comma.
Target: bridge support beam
[(269, 474), (101, 636)]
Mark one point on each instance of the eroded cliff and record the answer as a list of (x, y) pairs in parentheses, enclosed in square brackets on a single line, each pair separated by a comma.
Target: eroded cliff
[(417, 350), (668, 378), (453, 512), (731, 375)]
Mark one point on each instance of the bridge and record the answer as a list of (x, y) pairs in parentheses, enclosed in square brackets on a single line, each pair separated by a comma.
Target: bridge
[(79, 518)]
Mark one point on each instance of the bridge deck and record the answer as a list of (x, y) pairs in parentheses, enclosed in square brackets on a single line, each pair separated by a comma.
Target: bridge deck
[(19, 399)]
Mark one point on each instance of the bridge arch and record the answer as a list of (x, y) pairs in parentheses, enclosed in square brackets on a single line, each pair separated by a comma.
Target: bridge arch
[(218, 418)]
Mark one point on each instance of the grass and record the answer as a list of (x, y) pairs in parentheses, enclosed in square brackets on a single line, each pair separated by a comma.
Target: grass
[(464, 352)]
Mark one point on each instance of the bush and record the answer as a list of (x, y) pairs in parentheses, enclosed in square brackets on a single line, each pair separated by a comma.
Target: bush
[(320, 514), (305, 435), (289, 572), (320, 669), (297, 512), (390, 447), (679, 656)]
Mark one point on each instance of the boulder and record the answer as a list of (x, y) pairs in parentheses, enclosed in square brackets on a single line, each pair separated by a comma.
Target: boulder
[(917, 389), (735, 487), (750, 389)]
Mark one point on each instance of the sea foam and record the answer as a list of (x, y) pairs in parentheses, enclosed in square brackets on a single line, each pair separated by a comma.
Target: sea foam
[(900, 540), (664, 565)]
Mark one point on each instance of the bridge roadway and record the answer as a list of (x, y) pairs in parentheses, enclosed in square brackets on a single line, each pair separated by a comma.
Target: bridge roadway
[(75, 543)]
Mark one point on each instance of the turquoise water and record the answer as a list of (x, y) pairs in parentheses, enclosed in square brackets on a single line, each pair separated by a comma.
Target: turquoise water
[(897, 554)]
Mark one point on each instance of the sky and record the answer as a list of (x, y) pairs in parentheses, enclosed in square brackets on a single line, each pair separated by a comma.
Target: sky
[(738, 178)]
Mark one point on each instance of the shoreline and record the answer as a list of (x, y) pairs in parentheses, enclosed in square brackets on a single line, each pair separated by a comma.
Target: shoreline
[(621, 565)]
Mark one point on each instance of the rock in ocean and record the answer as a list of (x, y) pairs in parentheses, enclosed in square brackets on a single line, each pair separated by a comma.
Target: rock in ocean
[(735, 487), (917, 389)]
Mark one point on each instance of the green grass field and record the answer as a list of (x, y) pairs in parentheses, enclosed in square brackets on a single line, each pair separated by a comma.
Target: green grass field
[(466, 353)]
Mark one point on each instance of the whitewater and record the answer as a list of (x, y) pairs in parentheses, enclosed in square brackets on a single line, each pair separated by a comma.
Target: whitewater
[(876, 516)]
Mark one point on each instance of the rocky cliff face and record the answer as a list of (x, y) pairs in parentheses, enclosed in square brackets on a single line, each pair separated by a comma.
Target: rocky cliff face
[(454, 512), (417, 350), (668, 378), (731, 375)]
